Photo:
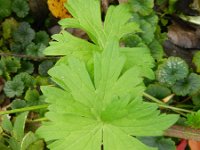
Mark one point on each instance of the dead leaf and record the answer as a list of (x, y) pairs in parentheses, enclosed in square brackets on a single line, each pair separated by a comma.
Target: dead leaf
[(194, 145)]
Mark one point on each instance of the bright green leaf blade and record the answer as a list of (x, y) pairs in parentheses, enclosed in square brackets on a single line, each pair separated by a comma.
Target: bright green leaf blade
[(68, 123), (6, 124), (27, 140), (80, 140), (75, 76), (139, 57), (116, 21), (146, 123), (39, 145), (116, 139), (91, 24), (19, 125), (64, 104), (69, 23), (69, 45)]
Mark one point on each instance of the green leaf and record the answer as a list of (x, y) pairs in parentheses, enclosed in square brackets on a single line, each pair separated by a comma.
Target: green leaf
[(144, 64), (196, 99), (26, 66), (196, 61), (32, 97), (13, 143), (24, 77), (27, 140), (159, 142), (116, 139), (156, 50), (39, 145), (6, 124), (66, 44), (8, 26), (4, 147), (172, 70), (142, 7), (13, 88), (189, 85), (83, 18), (9, 64), (105, 108), (35, 50), (41, 37), (19, 125), (193, 119), (20, 7), (44, 67), (114, 25), (158, 91), (5, 8), (18, 103), (24, 34)]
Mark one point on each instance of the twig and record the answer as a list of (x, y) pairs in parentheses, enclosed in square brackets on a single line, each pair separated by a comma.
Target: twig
[(183, 132), (28, 56)]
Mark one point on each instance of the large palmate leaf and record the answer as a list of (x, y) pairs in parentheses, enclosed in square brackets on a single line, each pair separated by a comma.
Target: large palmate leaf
[(116, 24), (107, 111)]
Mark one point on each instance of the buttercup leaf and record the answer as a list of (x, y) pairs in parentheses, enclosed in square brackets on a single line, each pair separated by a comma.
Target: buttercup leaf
[(100, 108)]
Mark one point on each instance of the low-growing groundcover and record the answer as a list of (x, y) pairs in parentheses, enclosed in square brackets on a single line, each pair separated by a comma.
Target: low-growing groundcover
[(98, 103)]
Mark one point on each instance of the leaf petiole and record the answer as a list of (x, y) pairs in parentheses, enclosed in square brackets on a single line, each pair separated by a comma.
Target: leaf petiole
[(163, 105), (24, 109)]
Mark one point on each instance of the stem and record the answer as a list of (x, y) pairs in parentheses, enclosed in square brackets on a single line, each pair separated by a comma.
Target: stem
[(24, 109), (37, 120), (28, 56), (162, 104), (183, 132), (175, 108), (152, 98)]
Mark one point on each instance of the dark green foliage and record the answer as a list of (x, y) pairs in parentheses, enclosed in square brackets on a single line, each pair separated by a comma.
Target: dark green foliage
[(196, 99), (26, 66), (190, 85), (159, 142), (42, 37), (27, 79), (35, 49), (142, 7), (24, 34), (32, 97), (20, 7), (5, 8), (14, 88), (18, 103), (172, 70), (158, 91), (44, 67)]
